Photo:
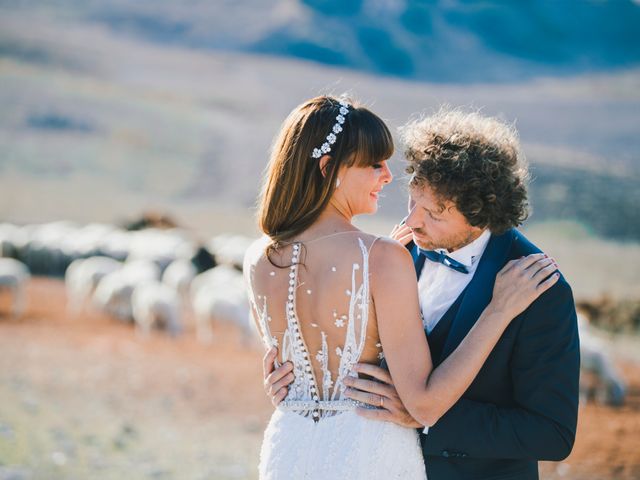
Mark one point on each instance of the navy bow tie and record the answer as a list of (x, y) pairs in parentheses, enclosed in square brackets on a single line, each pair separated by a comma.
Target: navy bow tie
[(445, 260)]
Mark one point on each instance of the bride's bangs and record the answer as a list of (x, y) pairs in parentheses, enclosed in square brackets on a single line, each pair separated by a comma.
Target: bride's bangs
[(373, 142)]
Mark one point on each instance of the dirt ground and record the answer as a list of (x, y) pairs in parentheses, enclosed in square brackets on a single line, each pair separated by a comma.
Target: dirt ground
[(83, 397)]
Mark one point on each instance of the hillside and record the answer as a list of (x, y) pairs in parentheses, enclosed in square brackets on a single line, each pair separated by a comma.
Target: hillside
[(443, 41), (97, 125)]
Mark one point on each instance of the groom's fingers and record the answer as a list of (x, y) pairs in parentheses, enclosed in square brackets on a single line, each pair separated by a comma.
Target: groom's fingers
[(372, 399), (402, 234), (374, 371), (370, 386), (404, 240), (389, 415), (375, 414)]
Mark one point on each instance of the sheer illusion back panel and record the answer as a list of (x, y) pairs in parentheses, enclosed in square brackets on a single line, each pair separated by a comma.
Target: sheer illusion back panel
[(316, 307)]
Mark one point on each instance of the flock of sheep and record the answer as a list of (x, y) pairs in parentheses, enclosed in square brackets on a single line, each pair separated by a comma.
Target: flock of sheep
[(151, 277)]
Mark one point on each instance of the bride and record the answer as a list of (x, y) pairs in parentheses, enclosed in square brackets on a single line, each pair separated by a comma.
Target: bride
[(328, 296)]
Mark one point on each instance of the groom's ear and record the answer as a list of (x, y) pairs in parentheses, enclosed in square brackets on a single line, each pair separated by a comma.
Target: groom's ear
[(324, 163)]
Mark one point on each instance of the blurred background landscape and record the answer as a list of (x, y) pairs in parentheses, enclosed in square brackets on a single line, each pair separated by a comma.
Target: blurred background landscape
[(110, 110)]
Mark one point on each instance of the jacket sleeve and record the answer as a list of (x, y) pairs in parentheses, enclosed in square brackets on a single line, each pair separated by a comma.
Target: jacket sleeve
[(545, 367)]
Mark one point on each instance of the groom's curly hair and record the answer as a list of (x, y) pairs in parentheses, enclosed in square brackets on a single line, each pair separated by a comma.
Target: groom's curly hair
[(472, 160)]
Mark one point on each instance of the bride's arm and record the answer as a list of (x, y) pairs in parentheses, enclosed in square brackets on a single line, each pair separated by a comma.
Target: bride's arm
[(428, 394)]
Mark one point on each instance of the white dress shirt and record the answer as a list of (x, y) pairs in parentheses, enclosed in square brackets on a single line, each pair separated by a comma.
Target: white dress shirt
[(439, 286)]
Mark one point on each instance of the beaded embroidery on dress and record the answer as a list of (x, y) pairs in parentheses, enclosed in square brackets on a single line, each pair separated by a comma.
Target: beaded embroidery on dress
[(316, 307)]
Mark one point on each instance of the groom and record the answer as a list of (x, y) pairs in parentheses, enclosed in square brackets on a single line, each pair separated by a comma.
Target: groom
[(468, 192)]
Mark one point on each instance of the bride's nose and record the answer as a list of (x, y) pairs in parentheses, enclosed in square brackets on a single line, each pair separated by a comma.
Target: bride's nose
[(386, 176)]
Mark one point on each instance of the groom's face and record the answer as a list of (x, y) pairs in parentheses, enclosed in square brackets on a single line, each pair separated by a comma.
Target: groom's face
[(437, 223)]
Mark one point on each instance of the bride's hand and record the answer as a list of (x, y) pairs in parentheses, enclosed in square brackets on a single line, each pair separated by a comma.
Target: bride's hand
[(522, 281), (401, 233)]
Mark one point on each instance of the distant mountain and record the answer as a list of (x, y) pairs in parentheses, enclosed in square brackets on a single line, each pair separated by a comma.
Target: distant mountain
[(457, 41), (110, 106)]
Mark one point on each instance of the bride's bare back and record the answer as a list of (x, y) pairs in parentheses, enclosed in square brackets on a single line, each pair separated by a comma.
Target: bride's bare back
[(315, 305)]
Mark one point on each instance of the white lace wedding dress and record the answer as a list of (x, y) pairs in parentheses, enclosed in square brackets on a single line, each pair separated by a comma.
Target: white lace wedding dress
[(319, 313)]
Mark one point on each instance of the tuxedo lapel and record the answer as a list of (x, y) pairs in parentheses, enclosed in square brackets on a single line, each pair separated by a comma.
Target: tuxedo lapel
[(418, 260), (438, 336), (478, 293)]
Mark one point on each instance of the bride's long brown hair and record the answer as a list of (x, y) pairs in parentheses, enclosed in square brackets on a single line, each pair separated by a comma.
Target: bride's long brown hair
[(295, 191)]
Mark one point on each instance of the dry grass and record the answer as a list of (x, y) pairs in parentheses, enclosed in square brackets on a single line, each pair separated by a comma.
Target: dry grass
[(83, 397)]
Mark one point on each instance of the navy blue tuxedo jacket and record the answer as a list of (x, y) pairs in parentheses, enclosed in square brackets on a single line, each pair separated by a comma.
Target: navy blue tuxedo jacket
[(523, 405)]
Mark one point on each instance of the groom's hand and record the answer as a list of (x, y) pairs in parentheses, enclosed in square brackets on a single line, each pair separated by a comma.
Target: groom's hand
[(379, 393), (401, 233), (276, 380)]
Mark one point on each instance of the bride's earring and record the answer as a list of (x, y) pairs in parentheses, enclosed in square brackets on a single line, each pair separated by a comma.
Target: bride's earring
[(337, 182)]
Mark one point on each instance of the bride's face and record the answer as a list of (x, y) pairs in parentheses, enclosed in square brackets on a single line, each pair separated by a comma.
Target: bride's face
[(360, 187)]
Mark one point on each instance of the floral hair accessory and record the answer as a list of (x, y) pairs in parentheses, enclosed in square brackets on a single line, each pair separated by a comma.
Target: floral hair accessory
[(337, 128)]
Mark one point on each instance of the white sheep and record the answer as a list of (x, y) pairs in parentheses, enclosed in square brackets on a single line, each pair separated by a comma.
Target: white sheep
[(113, 293), (13, 277), (44, 252), (179, 275), (116, 244), (219, 295), (12, 239), (156, 304), (598, 375), (230, 248), (86, 240), (160, 246), (83, 276)]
